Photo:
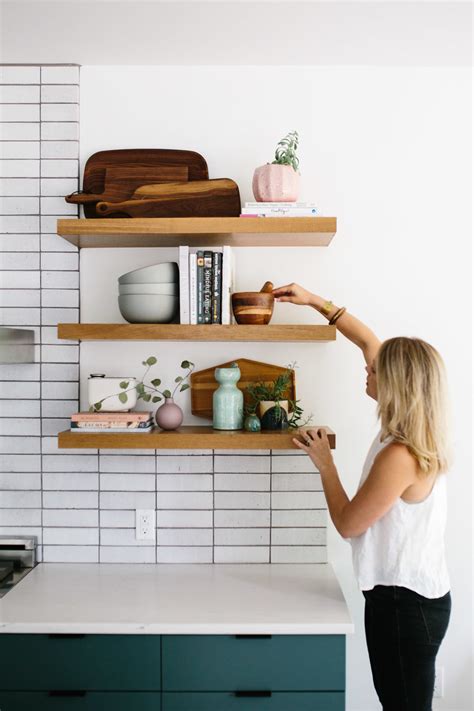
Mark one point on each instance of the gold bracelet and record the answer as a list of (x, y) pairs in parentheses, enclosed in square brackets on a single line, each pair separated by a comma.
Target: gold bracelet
[(337, 315), (326, 308)]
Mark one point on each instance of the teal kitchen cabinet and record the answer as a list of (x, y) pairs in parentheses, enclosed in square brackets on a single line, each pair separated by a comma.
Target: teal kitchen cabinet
[(279, 701), (79, 701)]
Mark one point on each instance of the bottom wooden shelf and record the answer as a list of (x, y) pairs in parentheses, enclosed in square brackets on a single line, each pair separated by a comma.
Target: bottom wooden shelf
[(187, 437)]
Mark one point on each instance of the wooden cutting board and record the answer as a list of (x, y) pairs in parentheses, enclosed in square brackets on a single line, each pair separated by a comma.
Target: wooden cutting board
[(203, 382), (120, 160)]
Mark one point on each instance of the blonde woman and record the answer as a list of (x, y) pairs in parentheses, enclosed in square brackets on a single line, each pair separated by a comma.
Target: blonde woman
[(396, 520)]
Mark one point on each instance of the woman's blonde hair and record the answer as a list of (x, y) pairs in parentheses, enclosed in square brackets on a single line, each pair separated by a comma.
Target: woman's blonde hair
[(412, 401)]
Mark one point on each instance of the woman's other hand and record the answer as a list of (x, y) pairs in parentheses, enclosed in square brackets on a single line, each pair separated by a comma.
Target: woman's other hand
[(316, 444), (294, 293)]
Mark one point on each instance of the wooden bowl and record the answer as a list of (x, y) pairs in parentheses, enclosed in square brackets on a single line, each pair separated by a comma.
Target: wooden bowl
[(253, 308)]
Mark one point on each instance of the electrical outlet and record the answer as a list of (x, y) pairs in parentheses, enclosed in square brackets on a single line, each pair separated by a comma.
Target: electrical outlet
[(145, 524), (439, 683)]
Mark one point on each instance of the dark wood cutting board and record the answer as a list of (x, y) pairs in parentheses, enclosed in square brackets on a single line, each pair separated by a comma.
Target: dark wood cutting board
[(203, 383), (123, 159)]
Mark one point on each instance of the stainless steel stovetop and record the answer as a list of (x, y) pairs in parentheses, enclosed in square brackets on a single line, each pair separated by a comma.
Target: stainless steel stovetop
[(17, 558)]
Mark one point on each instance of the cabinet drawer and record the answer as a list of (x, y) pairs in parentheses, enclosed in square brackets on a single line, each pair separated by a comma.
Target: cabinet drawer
[(86, 662), (230, 663), (90, 701), (279, 701)]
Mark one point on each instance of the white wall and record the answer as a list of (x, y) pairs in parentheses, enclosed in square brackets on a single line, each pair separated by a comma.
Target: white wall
[(388, 152)]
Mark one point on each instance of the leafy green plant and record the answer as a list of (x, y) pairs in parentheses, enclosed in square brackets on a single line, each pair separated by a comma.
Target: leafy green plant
[(275, 391), (285, 153), (146, 392)]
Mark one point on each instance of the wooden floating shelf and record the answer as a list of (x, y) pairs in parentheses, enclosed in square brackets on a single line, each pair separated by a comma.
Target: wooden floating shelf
[(187, 437), (191, 231), (182, 332)]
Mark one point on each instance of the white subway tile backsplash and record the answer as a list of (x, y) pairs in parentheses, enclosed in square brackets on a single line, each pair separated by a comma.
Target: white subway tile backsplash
[(127, 500), (241, 554), (58, 298), (70, 499), (298, 554), (53, 316), (71, 517), (59, 112), (58, 408), (18, 297), (241, 500), (300, 517), (190, 464), (70, 463), (60, 261), (292, 463), (19, 205), (19, 94), (184, 482), (59, 354), (184, 537), (20, 463), (62, 93), (70, 554), (59, 169), (20, 426), (57, 206), (20, 480), (242, 536), (71, 536), (19, 169), (113, 554), (19, 260), (70, 481), (59, 391), (127, 464), (60, 75), (242, 482), (184, 519), (20, 445), (184, 500), (297, 482), (117, 519), (60, 371), (19, 149), (20, 408), (242, 463), (19, 75), (241, 518), (20, 132), (24, 531), (19, 500), (19, 371), (20, 517), (20, 280), (52, 426), (60, 131), (127, 482), (60, 280), (58, 150), (298, 537), (55, 243), (19, 112), (19, 223), (19, 243), (121, 537), (58, 187), (298, 500), (184, 554), (19, 187)]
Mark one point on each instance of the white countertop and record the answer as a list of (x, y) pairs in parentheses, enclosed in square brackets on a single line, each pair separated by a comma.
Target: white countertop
[(176, 599)]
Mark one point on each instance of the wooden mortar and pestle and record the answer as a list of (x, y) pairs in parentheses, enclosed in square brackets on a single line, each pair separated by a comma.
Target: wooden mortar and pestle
[(254, 307)]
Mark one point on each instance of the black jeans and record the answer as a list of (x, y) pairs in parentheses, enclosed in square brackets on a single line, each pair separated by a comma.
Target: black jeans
[(404, 631)]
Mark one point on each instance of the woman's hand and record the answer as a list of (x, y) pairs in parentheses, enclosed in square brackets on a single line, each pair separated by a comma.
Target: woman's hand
[(294, 293), (316, 444)]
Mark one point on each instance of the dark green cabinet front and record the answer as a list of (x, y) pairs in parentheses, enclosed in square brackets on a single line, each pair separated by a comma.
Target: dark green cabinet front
[(90, 701), (273, 662), (279, 701)]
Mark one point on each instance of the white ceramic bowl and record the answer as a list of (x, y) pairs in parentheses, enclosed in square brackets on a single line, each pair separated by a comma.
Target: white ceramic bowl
[(162, 273), (148, 308), (172, 289)]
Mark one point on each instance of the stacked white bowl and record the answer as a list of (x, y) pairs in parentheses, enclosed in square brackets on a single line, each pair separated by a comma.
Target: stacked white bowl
[(150, 294)]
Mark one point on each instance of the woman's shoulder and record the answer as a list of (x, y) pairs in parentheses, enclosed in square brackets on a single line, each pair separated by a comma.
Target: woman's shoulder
[(396, 454)]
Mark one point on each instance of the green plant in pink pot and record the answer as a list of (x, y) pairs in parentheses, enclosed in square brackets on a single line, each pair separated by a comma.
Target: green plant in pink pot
[(279, 181)]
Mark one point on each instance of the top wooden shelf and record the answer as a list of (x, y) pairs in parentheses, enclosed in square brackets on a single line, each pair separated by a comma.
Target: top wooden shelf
[(191, 231)]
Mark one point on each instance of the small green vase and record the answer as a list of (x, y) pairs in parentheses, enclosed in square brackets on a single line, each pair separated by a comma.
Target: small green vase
[(252, 423), (228, 400)]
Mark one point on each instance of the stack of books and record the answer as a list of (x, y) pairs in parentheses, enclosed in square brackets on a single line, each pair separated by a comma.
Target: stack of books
[(141, 422), (205, 284), (279, 209)]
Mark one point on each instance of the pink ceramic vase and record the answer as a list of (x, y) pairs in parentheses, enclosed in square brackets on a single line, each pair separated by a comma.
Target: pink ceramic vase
[(275, 183), (169, 416)]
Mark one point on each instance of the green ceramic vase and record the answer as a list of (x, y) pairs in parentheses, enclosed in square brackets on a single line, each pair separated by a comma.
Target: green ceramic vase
[(228, 400)]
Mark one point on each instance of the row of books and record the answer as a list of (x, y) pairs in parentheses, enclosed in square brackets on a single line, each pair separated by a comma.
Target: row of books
[(279, 209), (205, 284), (137, 422)]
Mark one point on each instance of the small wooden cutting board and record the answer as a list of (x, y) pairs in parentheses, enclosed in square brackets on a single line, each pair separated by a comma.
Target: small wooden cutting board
[(203, 382)]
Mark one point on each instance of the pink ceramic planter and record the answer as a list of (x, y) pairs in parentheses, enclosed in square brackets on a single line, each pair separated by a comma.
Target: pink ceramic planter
[(275, 183)]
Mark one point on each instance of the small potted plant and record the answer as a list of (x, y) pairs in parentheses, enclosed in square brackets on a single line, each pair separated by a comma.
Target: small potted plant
[(279, 181), (275, 410), (169, 415)]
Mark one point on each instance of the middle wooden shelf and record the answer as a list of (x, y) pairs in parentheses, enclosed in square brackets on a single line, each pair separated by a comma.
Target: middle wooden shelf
[(201, 332)]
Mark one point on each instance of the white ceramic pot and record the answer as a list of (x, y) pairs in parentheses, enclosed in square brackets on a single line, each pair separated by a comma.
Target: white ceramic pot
[(99, 387)]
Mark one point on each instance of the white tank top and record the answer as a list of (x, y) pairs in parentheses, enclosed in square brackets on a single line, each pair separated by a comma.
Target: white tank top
[(406, 546)]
